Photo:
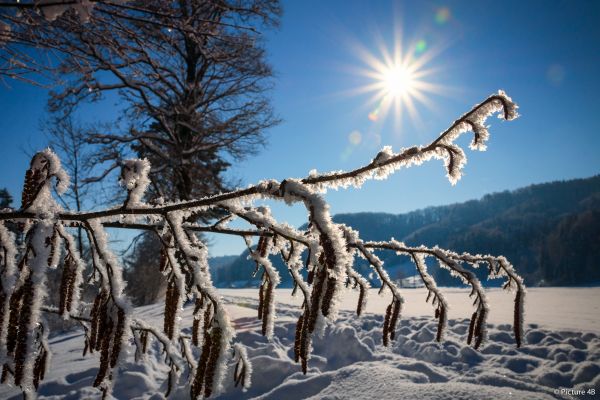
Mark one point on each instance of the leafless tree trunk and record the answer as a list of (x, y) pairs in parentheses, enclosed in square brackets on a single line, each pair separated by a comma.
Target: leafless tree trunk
[(191, 76)]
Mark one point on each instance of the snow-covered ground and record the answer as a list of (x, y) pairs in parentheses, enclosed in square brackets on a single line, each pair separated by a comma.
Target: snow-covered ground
[(561, 351)]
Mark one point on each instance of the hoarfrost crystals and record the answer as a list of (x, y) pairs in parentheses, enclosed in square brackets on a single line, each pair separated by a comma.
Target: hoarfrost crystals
[(134, 176)]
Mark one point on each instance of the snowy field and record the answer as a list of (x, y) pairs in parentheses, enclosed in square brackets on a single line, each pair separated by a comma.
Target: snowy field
[(561, 351)]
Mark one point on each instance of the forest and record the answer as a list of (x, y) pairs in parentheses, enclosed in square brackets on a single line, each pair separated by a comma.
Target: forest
[(550, 230)]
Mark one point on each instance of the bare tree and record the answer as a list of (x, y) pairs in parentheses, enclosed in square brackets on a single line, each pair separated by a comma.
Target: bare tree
[(191, 75), (68, 138), (331, 249)]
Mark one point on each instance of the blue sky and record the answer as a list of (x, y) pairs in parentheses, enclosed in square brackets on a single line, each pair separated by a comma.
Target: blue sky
[(544, 54)]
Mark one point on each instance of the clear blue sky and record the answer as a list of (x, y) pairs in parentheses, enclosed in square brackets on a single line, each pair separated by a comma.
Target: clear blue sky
[(544, 54)]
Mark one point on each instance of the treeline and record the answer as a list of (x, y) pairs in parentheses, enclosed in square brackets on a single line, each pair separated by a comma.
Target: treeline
[(550, 232)]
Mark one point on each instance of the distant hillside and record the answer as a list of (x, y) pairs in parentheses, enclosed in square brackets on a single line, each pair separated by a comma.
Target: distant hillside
[(550, 232)]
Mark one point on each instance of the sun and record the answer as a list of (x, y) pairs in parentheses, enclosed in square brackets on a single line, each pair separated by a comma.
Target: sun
[(398, 79)]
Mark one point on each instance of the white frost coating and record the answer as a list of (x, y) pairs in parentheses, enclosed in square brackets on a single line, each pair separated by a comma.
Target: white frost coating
[(8, 253), (242, 354), (134, 176), (37, 265), (83, 8), (169, 347), (265, 220), (384, 155), (110, 265), (387, 163), (57, 247), (196, 256), (454, 160), (321, 221), (111, 269), (295, 264), (374, 261), (274, 278), (510, 271), (500, 267), (362, 282), (468, 278), (419, 259), (49, 165), (179, 282)]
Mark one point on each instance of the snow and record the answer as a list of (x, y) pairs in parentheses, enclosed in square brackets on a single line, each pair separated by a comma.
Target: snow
[(561, 350), (134, 176), (83, 8)]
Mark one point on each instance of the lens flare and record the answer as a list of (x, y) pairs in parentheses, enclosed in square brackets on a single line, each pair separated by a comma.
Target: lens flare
[(442, 15), (355, 138), (420, 47)]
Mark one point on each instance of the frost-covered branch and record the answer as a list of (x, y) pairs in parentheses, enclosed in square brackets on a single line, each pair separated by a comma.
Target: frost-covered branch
[(325, 251)]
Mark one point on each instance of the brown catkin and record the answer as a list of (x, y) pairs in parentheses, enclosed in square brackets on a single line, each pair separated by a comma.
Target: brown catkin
[(118, 338), (13, 319), (479, 327), (311, 276), (236, 377), (196, 387), (471, 327), (163, 260), (451, 162), (315, 299), (304, 342), (517, 318), (104, 322), (441, 321), (262, 246), (50, 242), (386, 324), (196, 332), (207, 318), (196, 324), (328, 297), (144, 339), (171, 300), (211, 368), (23, 331), (361, 299), (67, 285), (4, 376), (298, 338), (329, 258), (394, 320), (3, 300), (39, 368), (266, 313), (261, 299), (29, 189), (104, 352), (97, 316), (94, 322), (243, 375)]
